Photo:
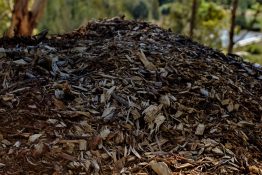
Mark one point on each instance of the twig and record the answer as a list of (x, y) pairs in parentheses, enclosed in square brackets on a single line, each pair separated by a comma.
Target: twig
[(120, 99), (15, 84)]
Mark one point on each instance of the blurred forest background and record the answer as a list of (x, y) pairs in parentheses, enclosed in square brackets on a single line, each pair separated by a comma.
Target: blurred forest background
[(206, 21)]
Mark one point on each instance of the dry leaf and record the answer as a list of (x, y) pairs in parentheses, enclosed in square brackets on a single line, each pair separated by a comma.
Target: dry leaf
[(136, 153), (34, 138), (67, 156), (108, 113), (39, 149), (104, 133), (230, 107), (58, 104), (2, 165), (255, 169), (159, 120), (82, 145), (204, 92), (200, 129), (8, 97), (178, 114), (148, 65), (236, 107), (225, 102), (17, 144), (69, 147), (119, 164), (1, 137), (87, 164), (218, 151), (20, 62), (160, 168), (183, 166), (86, 114), (151, 112), (135, 114), (164, 99)]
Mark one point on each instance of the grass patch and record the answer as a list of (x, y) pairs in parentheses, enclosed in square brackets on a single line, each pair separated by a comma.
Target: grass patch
[(254, 58), (254, 52)]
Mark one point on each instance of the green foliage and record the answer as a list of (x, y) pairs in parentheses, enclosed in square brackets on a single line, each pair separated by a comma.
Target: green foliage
[(254, 59), (211, 19), (139, 11), (161, 2), (65, 15), (212, 16), (178, 16), (5, 15), (254, 52), (209, 12), (254, 49)]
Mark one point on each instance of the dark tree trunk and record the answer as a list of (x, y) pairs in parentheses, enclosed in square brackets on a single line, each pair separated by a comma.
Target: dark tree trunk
[(232, 26), (25, 20), (193, 18)]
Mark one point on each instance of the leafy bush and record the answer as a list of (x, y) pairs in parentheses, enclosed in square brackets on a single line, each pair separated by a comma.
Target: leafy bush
[(254, 49)]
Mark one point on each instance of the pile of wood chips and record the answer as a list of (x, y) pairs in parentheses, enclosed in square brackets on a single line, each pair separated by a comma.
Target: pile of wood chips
[(127, 97)]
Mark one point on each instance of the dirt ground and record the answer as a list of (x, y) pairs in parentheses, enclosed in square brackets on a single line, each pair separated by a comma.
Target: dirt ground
[(126, 97)]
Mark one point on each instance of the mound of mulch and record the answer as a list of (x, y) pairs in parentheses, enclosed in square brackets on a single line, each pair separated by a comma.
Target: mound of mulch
[(127, 97)]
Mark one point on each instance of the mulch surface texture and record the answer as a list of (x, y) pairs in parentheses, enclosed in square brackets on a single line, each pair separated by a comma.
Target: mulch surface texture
[(127, 97)]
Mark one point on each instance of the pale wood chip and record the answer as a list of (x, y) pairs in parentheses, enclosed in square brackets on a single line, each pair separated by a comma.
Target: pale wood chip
[(160, 168), (82, 145), (200, 129), (148, 65)]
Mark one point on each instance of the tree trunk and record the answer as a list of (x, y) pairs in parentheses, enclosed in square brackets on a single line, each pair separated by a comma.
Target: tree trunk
[(232, 26), (193, 18), (25, 20)]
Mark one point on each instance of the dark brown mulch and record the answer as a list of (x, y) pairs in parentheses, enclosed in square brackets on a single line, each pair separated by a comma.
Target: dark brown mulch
[(119, 96)]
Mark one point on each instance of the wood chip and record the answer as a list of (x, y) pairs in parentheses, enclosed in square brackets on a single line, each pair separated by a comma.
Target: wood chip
[(200, 129), (160, 168), (126, 97), (148, 65)]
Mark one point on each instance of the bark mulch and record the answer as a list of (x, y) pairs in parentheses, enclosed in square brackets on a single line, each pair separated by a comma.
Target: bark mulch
[(127, 97)]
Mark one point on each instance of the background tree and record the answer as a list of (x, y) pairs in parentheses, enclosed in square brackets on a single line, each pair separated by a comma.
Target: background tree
[(232, 26), (25, 20), (248, 24), (210, 25), (193, 18), (212, 19), (176, 16), (79, 12)]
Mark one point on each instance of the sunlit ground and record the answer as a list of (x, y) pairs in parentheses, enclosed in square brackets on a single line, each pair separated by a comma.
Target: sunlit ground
[(252, 53)]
